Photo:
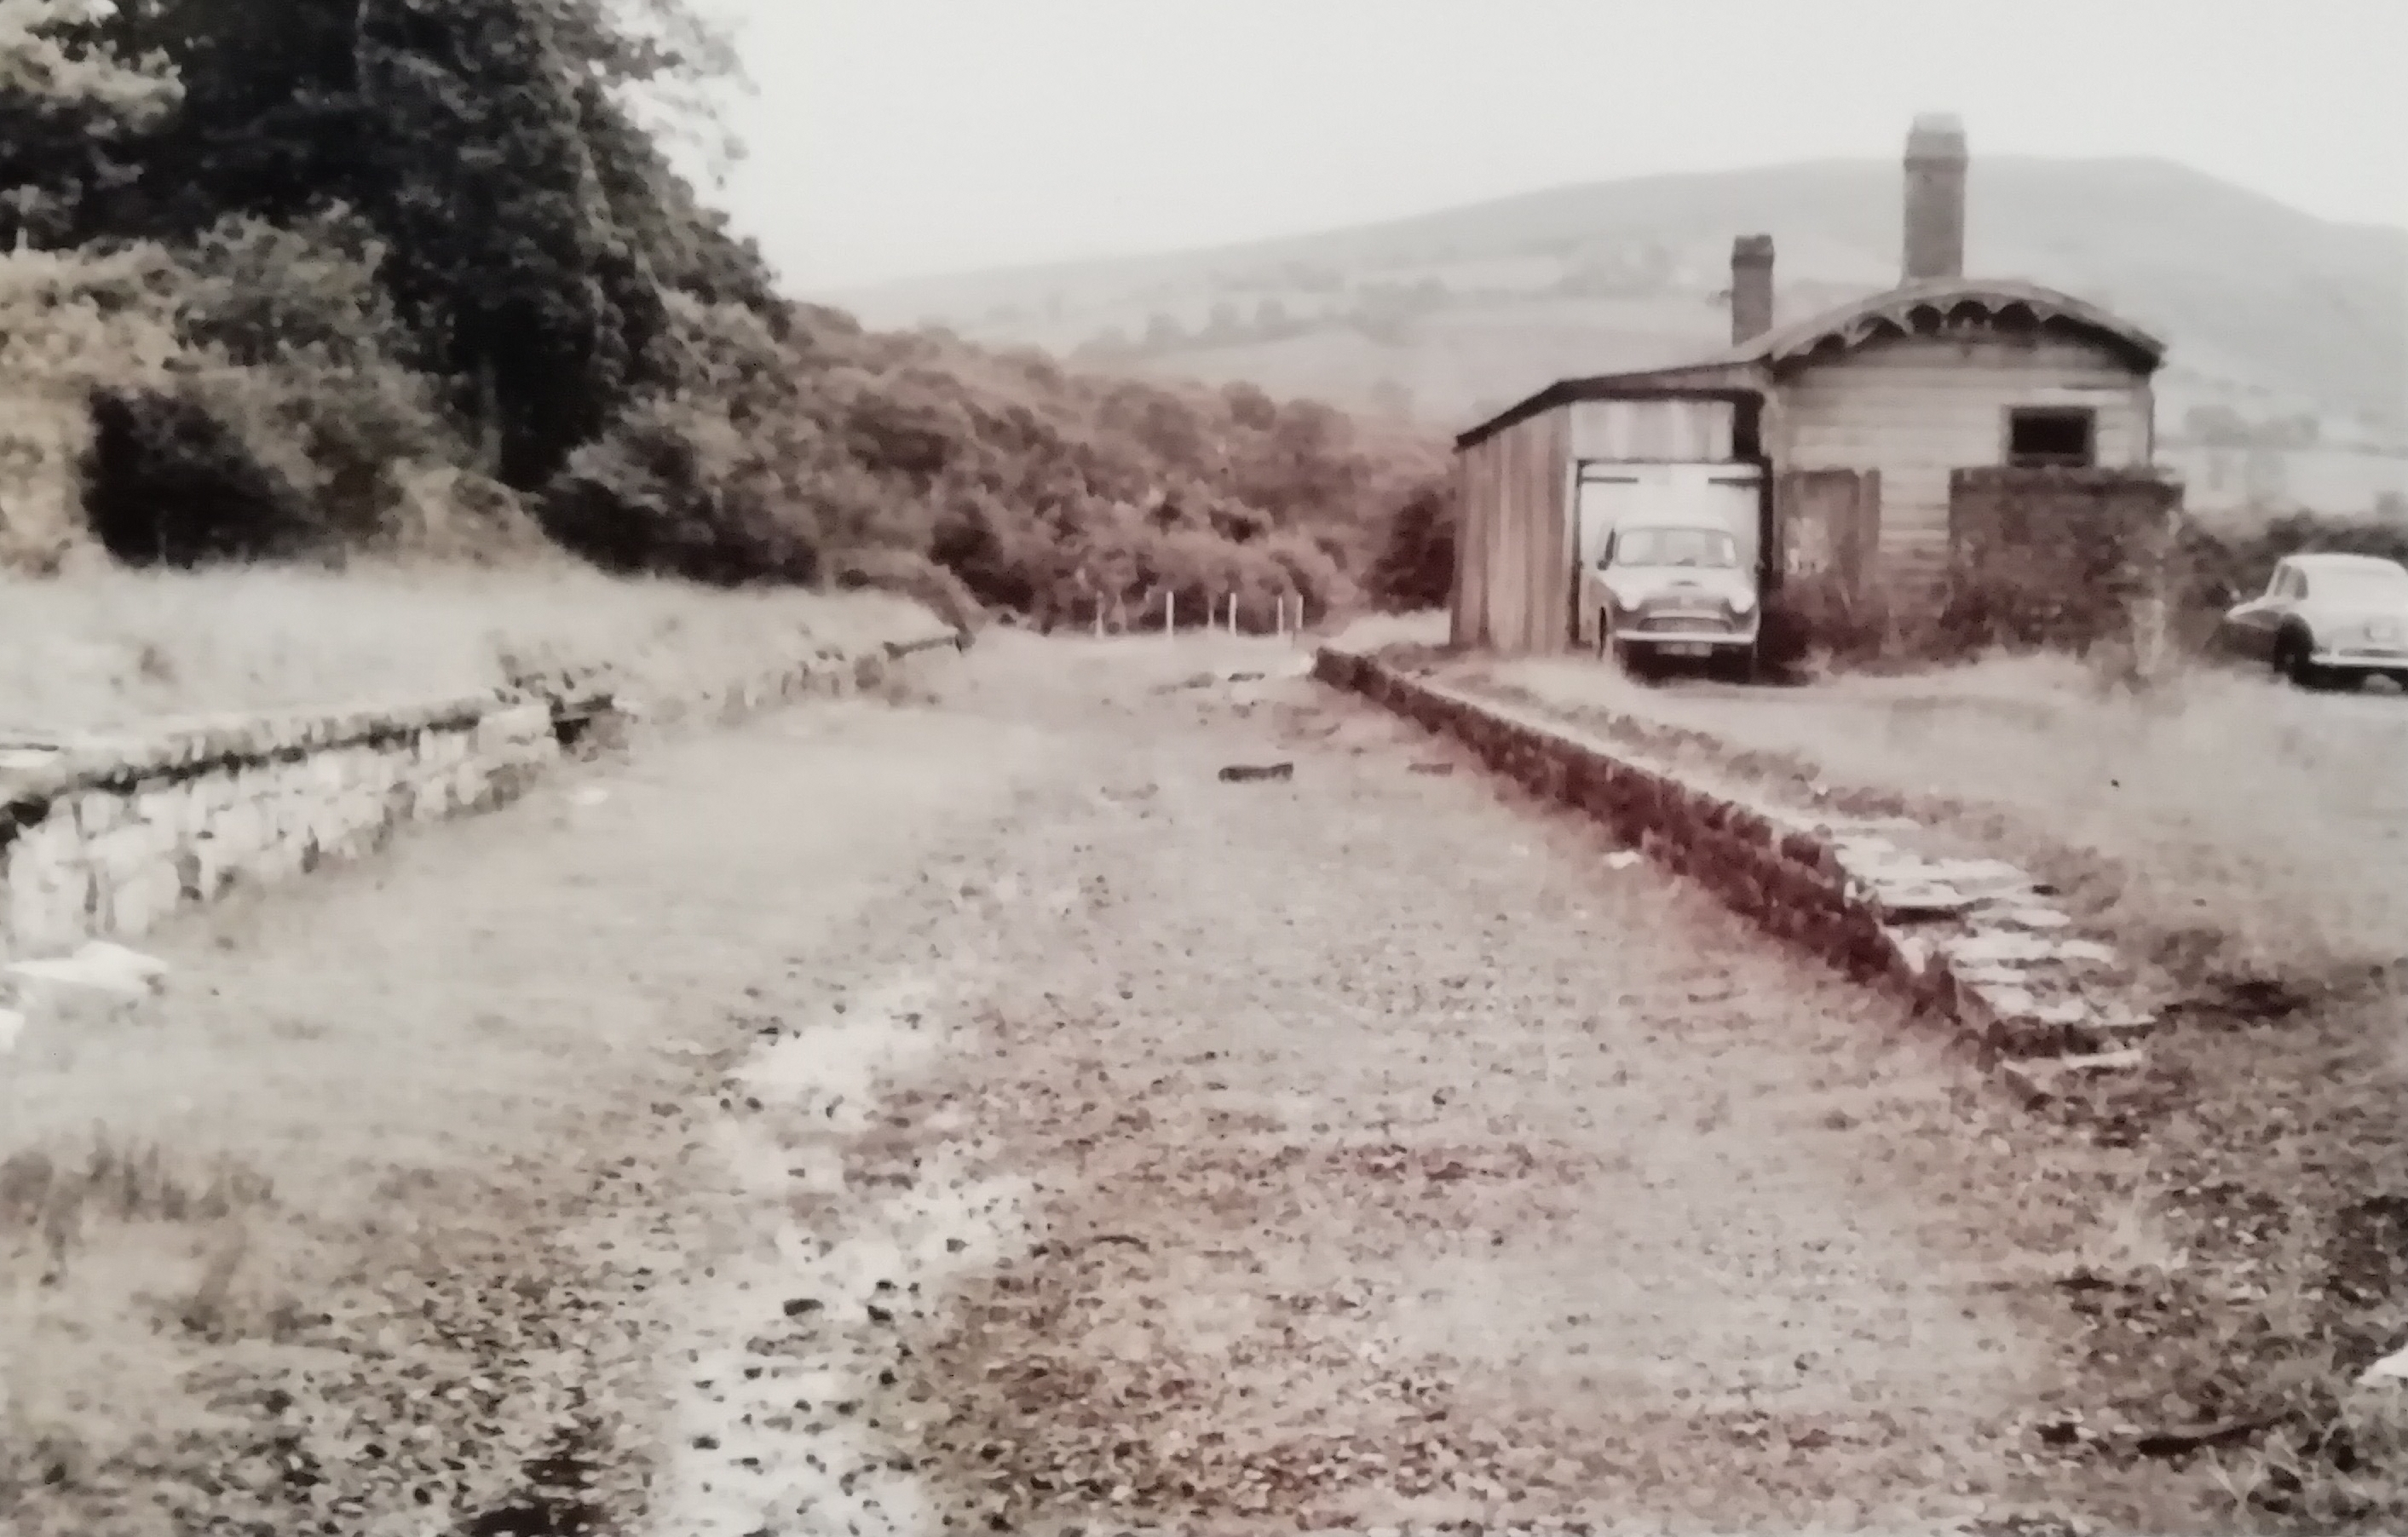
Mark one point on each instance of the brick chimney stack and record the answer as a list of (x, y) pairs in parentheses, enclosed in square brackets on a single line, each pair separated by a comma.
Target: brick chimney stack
[(1751, 287), (1935, 198)]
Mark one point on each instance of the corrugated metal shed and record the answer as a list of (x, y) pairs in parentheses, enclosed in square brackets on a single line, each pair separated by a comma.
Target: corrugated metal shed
[(1516, 557), (1513, 581)]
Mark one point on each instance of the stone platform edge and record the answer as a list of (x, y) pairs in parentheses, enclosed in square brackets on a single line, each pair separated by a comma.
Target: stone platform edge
[(1975, 941), (103, 834)]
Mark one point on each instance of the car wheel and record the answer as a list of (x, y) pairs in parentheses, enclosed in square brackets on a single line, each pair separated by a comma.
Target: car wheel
[(1634, 661), (1611, 645), (2293, 660)]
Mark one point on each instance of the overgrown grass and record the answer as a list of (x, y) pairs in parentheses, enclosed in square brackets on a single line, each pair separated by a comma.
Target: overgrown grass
[(114, 647), (2221, 827)]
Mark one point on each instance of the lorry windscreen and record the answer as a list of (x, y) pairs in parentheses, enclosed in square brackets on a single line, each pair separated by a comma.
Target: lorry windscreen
[(1673, 547)]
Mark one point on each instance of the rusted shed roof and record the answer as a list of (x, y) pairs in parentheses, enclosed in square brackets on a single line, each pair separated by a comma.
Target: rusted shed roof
[(1924, 308), (1709, 380)]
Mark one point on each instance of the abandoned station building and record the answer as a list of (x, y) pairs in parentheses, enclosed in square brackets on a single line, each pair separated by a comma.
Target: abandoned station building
[(1873, 443)]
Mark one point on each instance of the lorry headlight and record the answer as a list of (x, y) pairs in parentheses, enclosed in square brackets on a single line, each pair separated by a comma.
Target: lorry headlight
[(1743, 603)]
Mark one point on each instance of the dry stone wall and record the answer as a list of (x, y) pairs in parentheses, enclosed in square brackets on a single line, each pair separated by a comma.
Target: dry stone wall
[(1975, 940), (102, 836), (107, 837)]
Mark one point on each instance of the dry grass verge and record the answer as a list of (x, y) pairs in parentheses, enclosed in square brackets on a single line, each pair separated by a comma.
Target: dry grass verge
[(2223, 828), (117, 647), (2246, 842)]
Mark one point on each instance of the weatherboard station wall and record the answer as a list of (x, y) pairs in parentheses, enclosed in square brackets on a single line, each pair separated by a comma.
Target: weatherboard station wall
[(1860, 417)]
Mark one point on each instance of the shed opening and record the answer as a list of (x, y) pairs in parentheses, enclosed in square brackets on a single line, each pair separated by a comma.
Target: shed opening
[(2052, 436)]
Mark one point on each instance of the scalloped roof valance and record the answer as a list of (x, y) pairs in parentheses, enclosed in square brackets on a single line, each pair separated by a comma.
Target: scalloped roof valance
[(1938, 308)]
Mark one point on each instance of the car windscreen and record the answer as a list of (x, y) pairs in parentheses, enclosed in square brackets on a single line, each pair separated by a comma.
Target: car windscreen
[(1674, 547), (2359, 586)]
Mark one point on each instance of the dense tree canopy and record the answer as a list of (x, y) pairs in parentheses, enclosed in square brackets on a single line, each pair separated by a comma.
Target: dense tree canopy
[(391, 244)]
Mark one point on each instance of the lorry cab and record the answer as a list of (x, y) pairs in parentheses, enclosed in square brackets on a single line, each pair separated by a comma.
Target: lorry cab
[(1669, 568)]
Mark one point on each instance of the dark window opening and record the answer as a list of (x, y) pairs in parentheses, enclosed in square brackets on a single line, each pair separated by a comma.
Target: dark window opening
[(2052, 438), (1747, 431)]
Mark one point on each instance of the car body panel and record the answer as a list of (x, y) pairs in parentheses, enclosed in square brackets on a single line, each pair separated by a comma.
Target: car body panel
[(2352, 610), (1675, 587), (1716, 497)]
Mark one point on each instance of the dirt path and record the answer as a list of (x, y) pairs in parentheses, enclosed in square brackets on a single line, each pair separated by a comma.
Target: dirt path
[(982, 1117)]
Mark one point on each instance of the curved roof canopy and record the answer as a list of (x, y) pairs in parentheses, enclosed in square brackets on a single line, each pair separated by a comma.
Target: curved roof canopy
[(1943, 305)]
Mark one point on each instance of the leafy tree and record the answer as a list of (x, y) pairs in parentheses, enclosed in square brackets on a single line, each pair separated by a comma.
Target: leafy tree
[(342, 262), (506, 250), (68, 104), (1416, 569)]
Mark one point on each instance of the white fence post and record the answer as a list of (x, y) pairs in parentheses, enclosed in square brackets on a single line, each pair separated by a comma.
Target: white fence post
[(1170, 613)]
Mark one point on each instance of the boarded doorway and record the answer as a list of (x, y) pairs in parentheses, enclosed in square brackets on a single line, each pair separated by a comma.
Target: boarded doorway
[(1828, 524)]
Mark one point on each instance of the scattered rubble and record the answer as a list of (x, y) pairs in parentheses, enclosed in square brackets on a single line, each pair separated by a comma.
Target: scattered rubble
[(2390, 1369), (100, 984), (1238, 773), (2039, 1081)]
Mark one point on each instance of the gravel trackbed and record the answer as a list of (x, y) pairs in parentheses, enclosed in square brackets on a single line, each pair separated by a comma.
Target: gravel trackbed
[(979, 1115)]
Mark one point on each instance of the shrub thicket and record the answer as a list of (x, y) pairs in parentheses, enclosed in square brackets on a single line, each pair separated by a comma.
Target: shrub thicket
[(293, 277), (1416, 569)]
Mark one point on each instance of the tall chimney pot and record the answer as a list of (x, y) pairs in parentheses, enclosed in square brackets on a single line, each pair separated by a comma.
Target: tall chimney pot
[(1751, 287), (1935, 198)]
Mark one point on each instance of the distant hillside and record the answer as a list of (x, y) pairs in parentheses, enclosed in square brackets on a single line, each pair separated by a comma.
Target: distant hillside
[(2270, 312)]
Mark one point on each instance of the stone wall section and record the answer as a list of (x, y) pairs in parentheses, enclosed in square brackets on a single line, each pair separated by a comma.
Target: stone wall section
[(2065, 558), (1976, 941), (105, 836)]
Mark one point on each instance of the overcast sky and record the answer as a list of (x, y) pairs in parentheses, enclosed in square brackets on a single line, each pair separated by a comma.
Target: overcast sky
[(891, 139)]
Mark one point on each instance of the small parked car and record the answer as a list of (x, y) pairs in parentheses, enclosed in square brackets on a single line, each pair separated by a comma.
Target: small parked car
[(1670, 592), (2327, 620)]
